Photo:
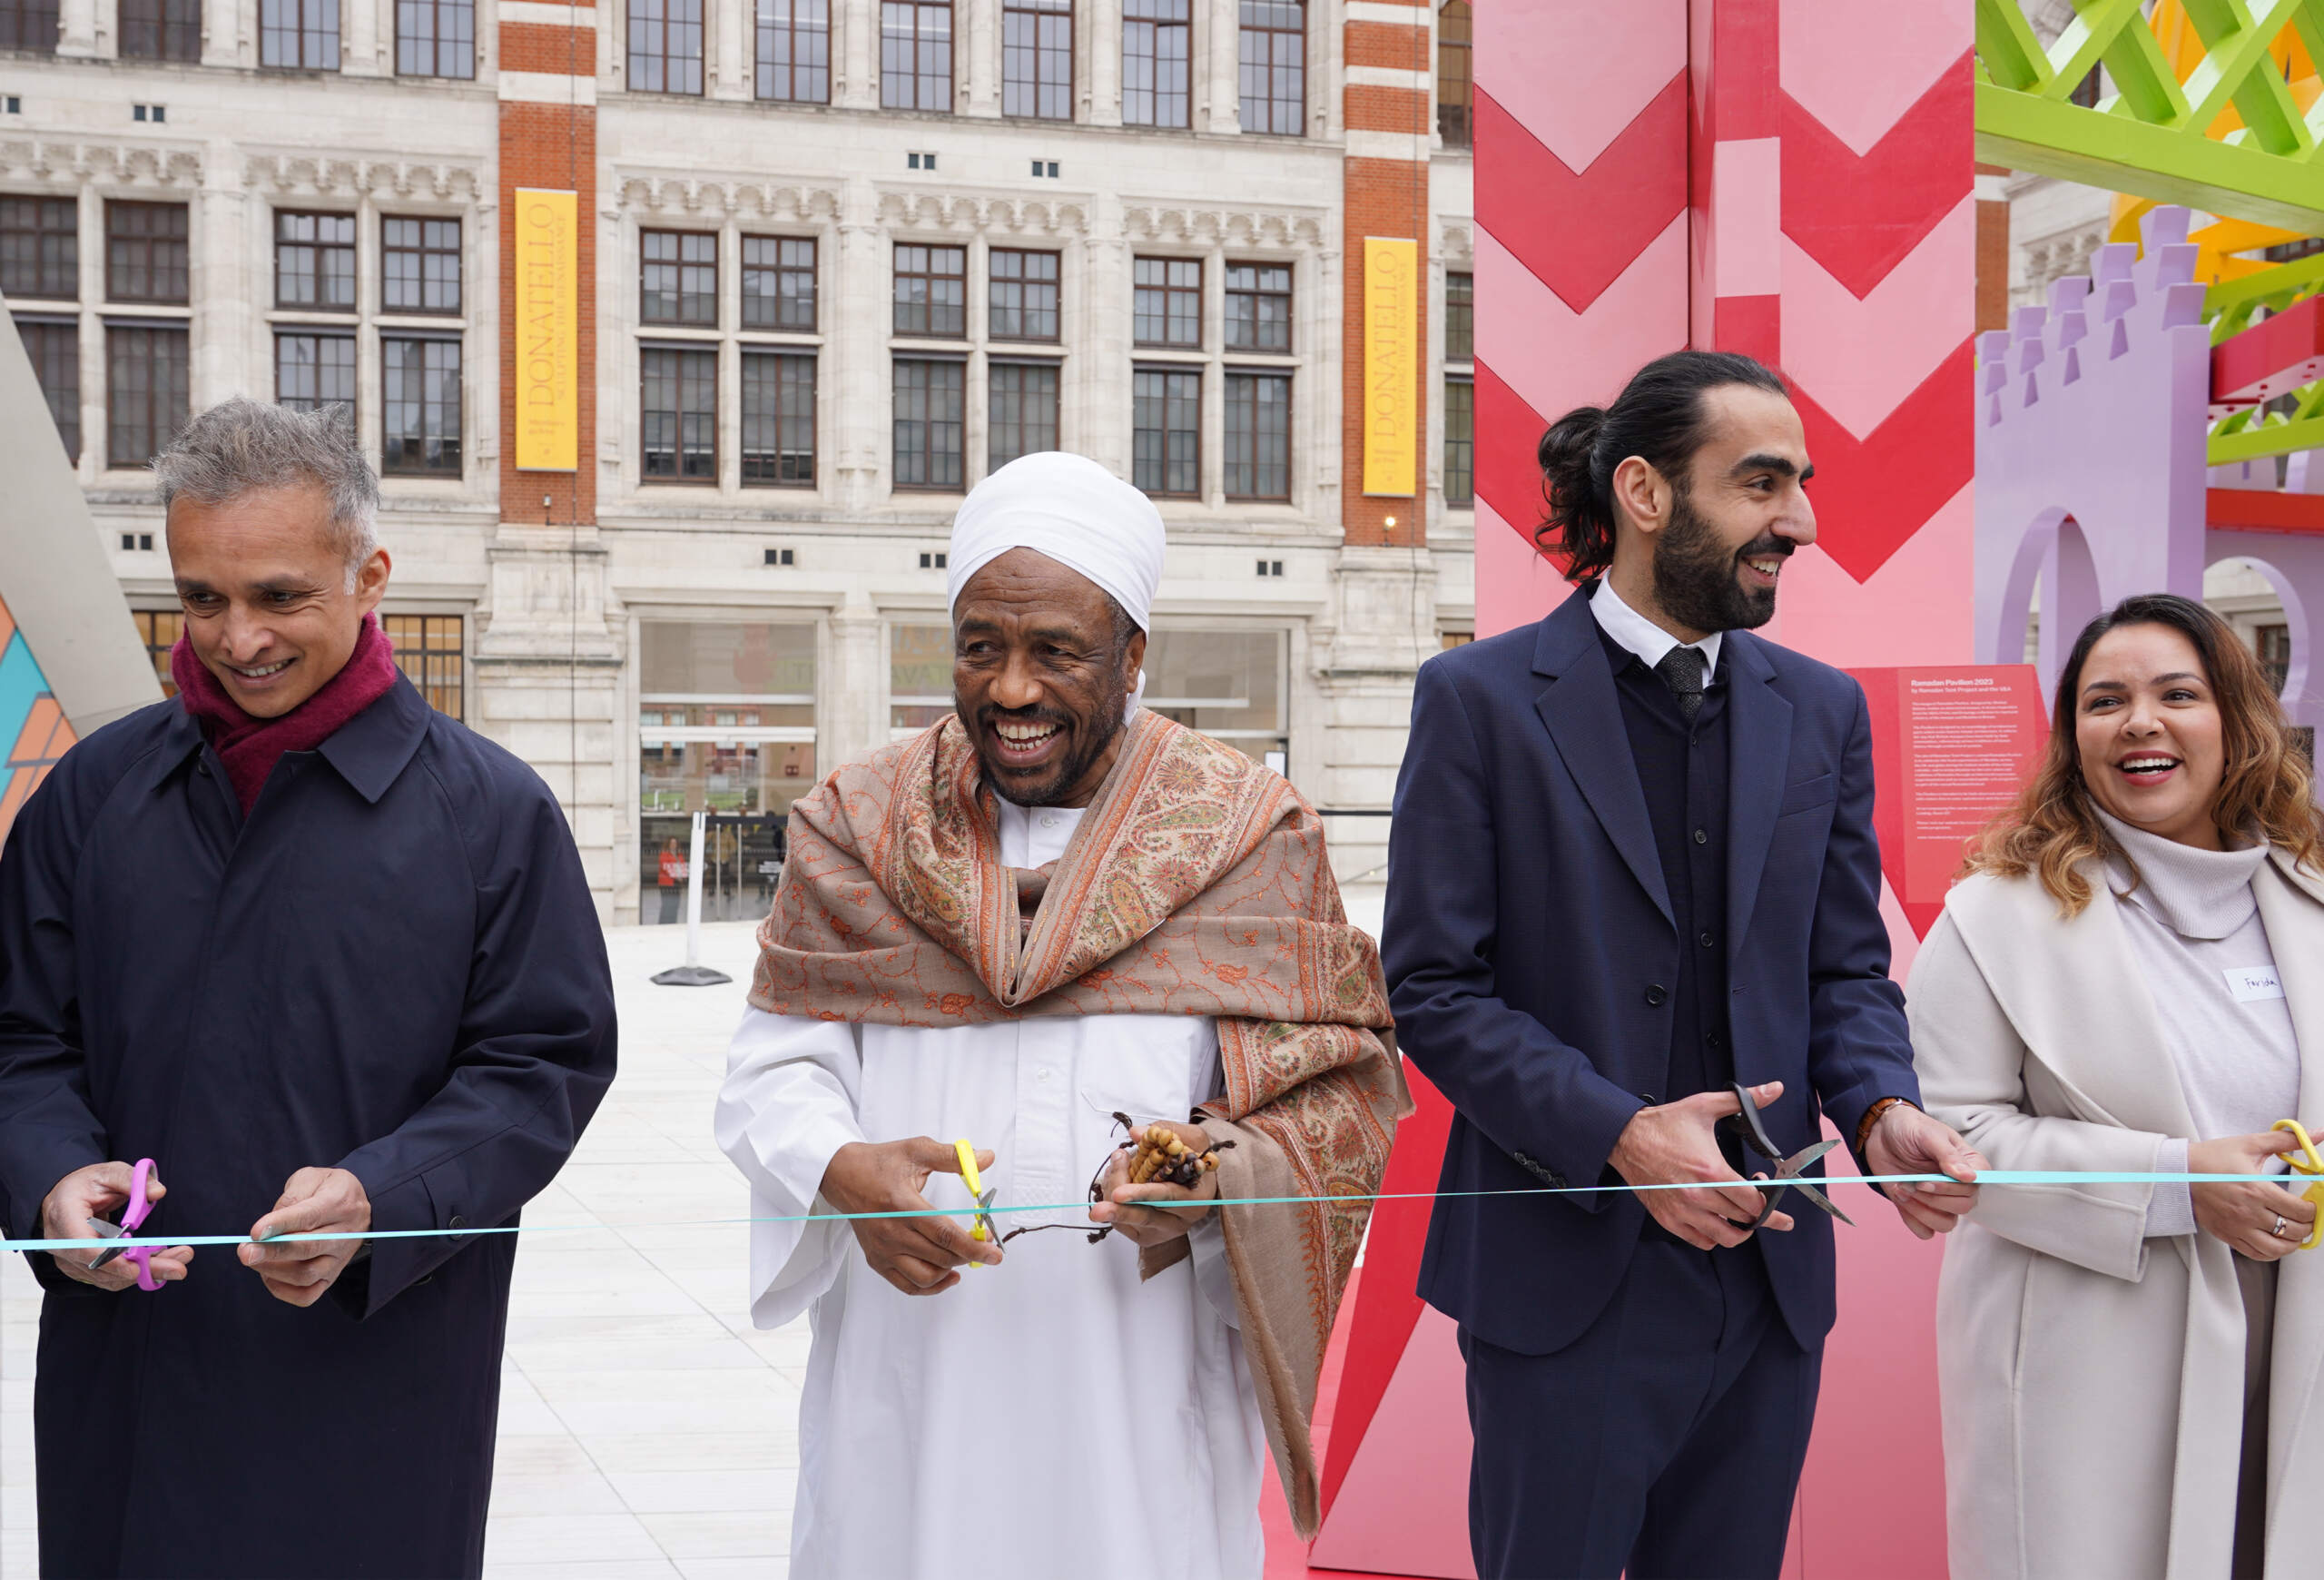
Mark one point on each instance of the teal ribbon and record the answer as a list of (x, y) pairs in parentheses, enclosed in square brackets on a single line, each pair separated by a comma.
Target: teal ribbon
[(1984, 1177)]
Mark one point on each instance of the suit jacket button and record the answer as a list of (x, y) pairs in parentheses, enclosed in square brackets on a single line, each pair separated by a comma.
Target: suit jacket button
[(1656, 993), (1558, 1180)]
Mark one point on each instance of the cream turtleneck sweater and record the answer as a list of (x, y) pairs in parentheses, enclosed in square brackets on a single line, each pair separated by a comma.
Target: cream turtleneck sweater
[(2195, 929)]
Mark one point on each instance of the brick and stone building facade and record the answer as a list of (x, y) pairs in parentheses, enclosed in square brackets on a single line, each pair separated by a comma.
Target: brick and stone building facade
[(837, 258)]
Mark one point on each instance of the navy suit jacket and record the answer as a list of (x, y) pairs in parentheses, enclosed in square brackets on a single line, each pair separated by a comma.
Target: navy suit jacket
[(1529, 949)]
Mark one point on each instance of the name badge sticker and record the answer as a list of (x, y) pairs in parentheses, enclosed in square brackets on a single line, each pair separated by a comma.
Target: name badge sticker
[(2251, 983)]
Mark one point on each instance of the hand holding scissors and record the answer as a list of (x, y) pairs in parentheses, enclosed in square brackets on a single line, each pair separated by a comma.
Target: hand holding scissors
[(71, 1212), (919, 1256)]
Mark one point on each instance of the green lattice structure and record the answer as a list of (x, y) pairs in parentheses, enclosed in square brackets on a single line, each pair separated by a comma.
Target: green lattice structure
[(2152, 138)]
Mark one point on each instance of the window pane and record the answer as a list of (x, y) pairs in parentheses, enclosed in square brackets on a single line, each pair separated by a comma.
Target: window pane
[(1166, 432), (920, 676), (1273, 66), (145, 251), (54, 349), (1156, 40), (916, 54), (681, 414), (932, 291), (1453, 96), (1258, 436), (314, 262), (779, 283), (159, 630), (1258, 307), (1167, 301), (420, 265), (1023, 412), (678, 276), (145, 382), (795, 50), (40, 247), (299, 34), (929, 398), (1036, 59), (779, 419), (429, 651), (28, 24), (665, 46), (161, 30), (1229, 684), (1459, 442), (436, 38), (419, 397), (1022, 295), (314, 370), (1460, 318)]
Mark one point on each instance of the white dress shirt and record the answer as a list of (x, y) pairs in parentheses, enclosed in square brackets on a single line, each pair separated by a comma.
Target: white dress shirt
[(1046, 1416), (1641, 636)]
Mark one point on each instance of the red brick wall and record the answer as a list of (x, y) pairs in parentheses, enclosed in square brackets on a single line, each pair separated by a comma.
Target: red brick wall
[(1382, 197), (553, 147)]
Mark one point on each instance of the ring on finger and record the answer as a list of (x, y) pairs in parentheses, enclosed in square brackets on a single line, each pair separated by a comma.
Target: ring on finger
[(2279, 1231)]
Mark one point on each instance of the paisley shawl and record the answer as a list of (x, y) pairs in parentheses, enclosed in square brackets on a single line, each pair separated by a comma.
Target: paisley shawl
[(1196, 884)]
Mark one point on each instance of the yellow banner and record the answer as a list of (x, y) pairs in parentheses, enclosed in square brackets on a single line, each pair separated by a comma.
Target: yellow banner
[(548, 340), (1391, 308)]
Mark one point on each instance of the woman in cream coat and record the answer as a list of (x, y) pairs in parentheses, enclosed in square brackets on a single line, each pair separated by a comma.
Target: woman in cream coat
[(2131, 981)]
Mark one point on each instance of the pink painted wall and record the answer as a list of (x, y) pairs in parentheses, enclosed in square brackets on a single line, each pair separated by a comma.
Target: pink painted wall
[(1789, 178)]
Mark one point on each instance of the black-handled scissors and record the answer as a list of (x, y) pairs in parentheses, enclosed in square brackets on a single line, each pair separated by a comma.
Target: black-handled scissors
[(1788, 1170)]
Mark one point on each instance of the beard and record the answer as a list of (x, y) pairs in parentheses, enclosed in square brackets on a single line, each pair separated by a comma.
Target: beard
[(1089, 739), (1697, 580)]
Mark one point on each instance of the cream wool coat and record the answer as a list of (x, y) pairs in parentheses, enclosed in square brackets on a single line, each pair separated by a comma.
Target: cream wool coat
[(2091, 1379)]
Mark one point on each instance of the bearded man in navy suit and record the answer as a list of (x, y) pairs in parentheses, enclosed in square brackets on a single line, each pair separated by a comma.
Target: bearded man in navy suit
[(1632, 863)]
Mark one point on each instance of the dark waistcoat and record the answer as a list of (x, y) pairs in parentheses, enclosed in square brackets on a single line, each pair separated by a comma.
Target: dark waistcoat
[(1682, 769)]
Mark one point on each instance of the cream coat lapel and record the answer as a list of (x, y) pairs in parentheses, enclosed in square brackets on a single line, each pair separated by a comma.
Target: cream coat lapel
[(2079, 1001), (2291, 905)]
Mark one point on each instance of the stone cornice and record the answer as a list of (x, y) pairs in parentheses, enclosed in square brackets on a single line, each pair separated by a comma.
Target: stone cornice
[(969, 213), (120, 164), (1248, 227), (692, 196), (321, 175)]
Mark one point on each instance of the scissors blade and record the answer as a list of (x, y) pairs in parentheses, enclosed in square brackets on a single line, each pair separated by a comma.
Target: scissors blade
[(985, 1217), (1817, 1197), (110, 1231)]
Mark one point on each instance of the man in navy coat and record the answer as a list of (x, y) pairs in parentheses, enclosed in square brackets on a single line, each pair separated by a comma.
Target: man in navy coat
[(331, 961), (1632, 863)]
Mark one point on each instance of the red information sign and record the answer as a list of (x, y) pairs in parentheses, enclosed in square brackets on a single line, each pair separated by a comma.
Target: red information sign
[(1950, 749)]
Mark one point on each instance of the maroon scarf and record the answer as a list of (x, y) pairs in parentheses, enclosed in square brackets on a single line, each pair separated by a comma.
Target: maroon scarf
[(250, 746)]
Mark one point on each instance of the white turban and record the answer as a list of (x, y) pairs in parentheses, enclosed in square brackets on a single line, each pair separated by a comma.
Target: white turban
[(1076, 512)]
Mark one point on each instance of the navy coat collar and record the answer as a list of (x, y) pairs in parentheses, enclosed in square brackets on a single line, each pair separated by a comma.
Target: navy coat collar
[(369, 750), (1584, 715)]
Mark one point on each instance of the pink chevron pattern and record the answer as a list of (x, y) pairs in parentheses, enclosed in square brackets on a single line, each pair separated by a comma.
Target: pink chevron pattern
[(1789, 178)]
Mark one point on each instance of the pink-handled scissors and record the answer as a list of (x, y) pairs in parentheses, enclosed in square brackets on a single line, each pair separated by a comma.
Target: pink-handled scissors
[(131, 1217)]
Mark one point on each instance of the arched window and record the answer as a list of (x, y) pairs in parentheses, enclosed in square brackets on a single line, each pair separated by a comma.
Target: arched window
[(1453, 116)]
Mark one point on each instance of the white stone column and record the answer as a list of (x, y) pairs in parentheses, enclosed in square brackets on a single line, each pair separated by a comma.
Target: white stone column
[(91, 227), (1101, 367), (223, 315), (221, 34), (977, 34), (1223, 77), (1101, 82), (1318, 391), (1383, 626), (851, 700), (859, 336), (856, 51), (76, 27), (361, 52), (733, 50), (730, 359)]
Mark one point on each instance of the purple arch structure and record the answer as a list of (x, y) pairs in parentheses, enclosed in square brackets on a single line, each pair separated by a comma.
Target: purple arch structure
[(2091, 474)]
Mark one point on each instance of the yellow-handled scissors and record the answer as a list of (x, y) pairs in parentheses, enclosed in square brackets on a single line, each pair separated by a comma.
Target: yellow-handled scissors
[(984, 1229), (2310, 1166)]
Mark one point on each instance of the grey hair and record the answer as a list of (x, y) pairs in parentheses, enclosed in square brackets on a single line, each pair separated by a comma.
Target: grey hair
[(243, 446)]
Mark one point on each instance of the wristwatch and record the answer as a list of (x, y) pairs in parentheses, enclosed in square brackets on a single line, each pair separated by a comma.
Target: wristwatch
[(1872, 1117)]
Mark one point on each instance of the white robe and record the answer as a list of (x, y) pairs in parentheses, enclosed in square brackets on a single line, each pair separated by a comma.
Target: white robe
[(1048, 1417)]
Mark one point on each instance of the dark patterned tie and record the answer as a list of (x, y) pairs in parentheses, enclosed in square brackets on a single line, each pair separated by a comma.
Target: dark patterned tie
[(1682, 671)]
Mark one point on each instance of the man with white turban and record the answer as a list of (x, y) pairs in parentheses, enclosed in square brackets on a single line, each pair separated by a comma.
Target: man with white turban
[(1048, 909)]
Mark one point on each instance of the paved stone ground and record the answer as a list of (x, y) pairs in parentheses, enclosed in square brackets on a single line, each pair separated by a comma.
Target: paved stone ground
[(646, 1429)]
